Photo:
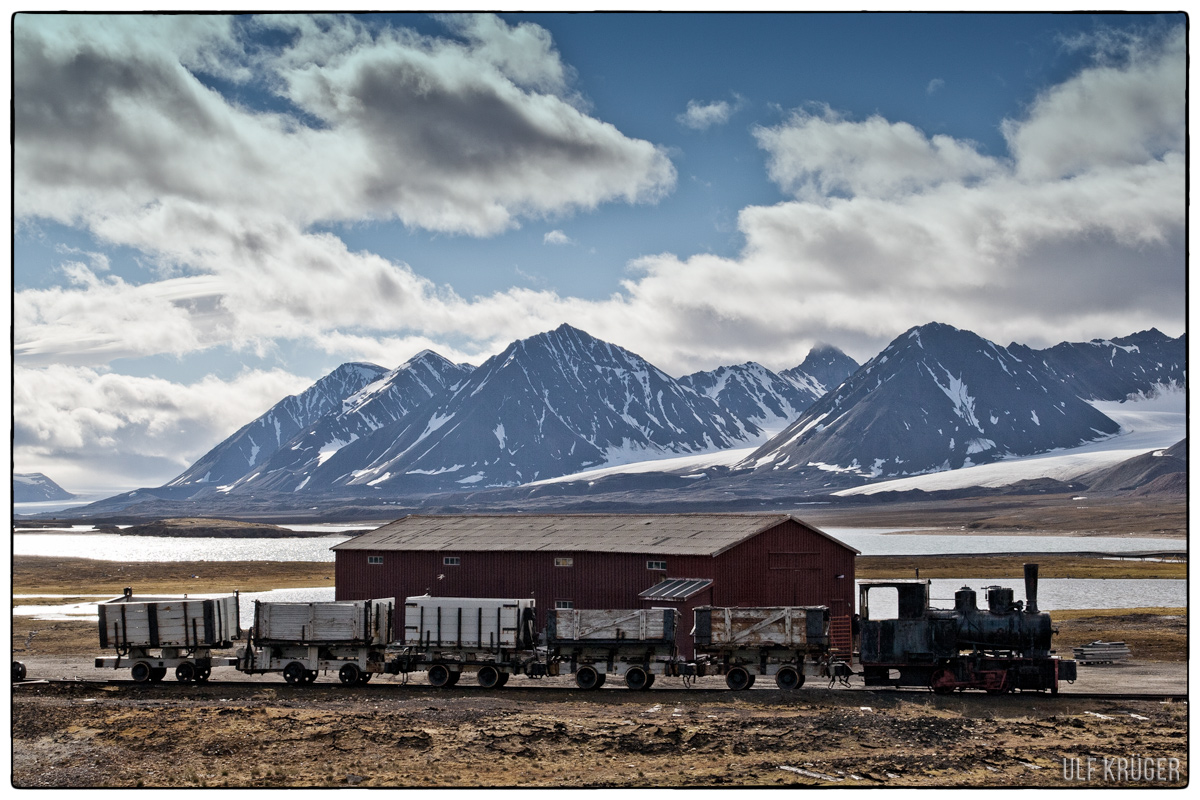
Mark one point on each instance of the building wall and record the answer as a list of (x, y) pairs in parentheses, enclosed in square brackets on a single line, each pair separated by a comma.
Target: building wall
[(785, 565)]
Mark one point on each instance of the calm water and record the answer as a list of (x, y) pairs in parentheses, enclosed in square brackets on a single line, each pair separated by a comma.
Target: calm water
[(870, 541)]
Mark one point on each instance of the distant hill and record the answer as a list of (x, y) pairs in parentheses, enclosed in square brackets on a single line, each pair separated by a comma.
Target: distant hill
[(1161, 470), (34, 487)]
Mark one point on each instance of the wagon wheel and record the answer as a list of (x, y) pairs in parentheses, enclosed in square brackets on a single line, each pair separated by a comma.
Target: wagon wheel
[(789, 678), (351, 674), (587, 678), (157, 674), (294, 673), (439, 675), (454, 676), (310, 675), (203, 674), (637, 678), (504, 676), (488, 677), (649, 680), (18, 671), (185, 672), (738, 678), (140, 672), (365, 677)]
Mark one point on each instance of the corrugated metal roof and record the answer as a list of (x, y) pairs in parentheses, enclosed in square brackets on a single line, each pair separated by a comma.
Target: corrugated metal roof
[(676, 589), (665, 534)]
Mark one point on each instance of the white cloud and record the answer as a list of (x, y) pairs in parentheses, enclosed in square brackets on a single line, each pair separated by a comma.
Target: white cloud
[(937, 84), (557, 237), (700, 116), (463, 138), (129, 422)]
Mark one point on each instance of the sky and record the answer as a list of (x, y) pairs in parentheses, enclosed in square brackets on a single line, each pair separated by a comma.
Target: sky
[(212, 212)]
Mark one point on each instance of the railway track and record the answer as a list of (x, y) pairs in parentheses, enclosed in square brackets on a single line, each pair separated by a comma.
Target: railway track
[(532, 686)]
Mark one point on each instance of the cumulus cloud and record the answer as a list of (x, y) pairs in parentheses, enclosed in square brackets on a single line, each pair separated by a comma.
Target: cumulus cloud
[(146, 424), (557, 237), (437, 133), (700, 116), (934, 85)]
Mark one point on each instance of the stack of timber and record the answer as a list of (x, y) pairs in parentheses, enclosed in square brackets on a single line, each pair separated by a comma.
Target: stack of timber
[(1102, 653)]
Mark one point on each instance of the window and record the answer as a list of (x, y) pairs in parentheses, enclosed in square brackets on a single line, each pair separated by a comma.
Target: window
[(375, 559), (564, 603), (451, 561), (657, 565), (564, 562)]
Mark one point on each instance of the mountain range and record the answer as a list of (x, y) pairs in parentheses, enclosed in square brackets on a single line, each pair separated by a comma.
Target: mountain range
[(563, 401), (34, 487)]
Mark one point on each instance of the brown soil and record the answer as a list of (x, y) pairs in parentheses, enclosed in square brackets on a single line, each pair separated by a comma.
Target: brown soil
[(414, 736), (1012, 567), (1152, 634)]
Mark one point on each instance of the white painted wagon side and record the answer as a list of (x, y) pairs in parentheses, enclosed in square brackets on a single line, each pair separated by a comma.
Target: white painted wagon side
[(466, 622), (155, 634), (357, 622), (300, 640)]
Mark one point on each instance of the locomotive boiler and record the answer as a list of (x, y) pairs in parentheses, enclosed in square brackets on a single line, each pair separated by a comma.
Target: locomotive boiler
[(1002, 648)]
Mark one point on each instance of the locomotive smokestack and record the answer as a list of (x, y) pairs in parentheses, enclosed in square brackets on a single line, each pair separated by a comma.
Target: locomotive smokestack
[(1031, 581)]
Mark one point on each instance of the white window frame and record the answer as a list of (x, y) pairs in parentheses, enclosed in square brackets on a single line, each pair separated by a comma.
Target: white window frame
[(564, 605), (451, 561), (656, 566), (375, 561), (564, 561)]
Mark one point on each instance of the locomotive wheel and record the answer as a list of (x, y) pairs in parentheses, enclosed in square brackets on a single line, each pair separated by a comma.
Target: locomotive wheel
[(18, 671), (185, 672), (439, 675), (157, 674), (488, 677), (140, 672), (350, 674), (942, 682), (587, 678), (637, 678), (738, 678), (294, 673), (789, 678)]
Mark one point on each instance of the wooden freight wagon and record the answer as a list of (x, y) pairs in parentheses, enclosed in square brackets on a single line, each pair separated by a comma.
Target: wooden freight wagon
[(154, 634), (495, 638), (788, 642), (302, 639), (636, 644)]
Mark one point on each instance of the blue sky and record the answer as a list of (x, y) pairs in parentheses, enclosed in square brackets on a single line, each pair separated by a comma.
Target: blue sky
[(211, 213)]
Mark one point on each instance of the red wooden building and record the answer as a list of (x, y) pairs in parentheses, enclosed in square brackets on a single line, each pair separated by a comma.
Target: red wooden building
[(606, 561)]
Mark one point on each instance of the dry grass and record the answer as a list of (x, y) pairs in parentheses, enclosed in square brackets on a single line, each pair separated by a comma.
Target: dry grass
[(53, 575), (1013, 567)]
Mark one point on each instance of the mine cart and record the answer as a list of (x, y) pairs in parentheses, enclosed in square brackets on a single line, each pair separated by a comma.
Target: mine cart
[(788, 642), (494, 638), (635, 644), (154, 634), (302, 639)]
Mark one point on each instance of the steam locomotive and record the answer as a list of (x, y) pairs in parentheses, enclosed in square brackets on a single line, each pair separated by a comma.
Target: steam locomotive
[(1001, 649)]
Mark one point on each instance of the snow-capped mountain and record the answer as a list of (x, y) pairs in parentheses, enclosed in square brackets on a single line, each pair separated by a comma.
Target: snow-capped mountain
[(387, 400), (34, 487), (1114, 369), (548, 405), (255, 443), (770, 400), (936, 398), (822, 371)]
